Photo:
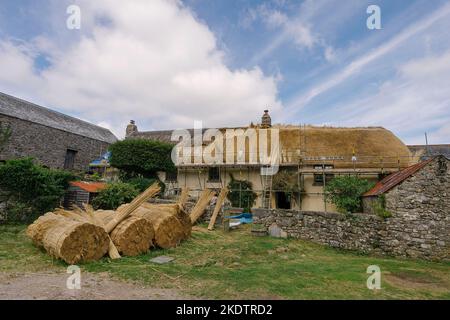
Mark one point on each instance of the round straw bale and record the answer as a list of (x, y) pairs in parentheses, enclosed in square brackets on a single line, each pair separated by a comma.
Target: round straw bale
[(74, 241), (133, 236), (37, 230), (169, 231)]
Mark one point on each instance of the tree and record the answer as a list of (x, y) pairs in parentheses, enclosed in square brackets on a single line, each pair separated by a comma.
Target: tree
[(5, 134), (31, 188), (241, 193), (345, 192), (141, 157)]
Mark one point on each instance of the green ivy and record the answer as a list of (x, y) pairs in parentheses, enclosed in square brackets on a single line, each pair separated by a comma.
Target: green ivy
[(379, 207), (345, 192), (5, 134), (241, 193)]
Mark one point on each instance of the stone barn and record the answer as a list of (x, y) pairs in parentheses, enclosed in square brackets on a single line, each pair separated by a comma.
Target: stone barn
[(418, 198), (55, 140)]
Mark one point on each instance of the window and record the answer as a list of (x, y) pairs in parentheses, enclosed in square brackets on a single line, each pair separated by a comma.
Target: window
[(318, 178), (172, 176), (69, 161), (214, 175), (323, 166)]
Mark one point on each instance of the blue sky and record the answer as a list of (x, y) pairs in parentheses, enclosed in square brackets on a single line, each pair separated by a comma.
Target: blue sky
[(168, 63)]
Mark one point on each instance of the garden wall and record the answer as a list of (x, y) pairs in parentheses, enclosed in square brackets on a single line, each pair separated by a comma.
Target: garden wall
[(361, 232)]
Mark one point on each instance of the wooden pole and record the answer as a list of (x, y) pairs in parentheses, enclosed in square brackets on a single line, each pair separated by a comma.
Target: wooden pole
[(220, 200), (125, 211)]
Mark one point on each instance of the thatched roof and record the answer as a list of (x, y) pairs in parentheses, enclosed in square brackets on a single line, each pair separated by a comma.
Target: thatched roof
[(372, 146)]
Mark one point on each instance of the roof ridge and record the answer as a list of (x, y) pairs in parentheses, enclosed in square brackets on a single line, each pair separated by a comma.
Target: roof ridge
[(54, 111)]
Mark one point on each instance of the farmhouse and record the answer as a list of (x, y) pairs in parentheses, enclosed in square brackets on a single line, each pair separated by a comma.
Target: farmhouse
[(52, 138), (308, 156)]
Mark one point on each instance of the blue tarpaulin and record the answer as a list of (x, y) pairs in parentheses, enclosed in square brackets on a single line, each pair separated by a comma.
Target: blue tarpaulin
[(243, 218), (102, 161)]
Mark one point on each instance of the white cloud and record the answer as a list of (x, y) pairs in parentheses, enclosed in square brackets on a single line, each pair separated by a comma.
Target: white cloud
[(414, 102), (294, 29), (153, 62), (357, 65)]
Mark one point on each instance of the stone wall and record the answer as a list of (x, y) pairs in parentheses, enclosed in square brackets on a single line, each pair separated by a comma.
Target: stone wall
[(361, 232), (48, 145)]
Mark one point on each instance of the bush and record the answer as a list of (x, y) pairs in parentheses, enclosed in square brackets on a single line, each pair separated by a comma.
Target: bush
[(32, 189), (141, 157), (345, 192), (241, 194), (114, 195), (141, 183)]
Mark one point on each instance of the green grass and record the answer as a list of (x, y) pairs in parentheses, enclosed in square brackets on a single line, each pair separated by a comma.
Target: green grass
[(237, 265)]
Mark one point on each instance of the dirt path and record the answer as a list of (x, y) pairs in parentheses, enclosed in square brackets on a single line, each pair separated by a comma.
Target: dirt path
[(52, 286)]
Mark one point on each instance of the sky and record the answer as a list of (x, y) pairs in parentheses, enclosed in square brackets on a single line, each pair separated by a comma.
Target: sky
[(168, 63)]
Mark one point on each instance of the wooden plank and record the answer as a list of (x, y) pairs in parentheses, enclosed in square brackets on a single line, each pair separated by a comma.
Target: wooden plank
[(183, 197), (201, 205), (220, 200)]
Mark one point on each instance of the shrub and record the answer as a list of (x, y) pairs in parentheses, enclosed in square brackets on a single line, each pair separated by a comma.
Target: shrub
[(345, 192), (31, 188), (141, 183), (114, 195), (141, 157), (241, 194)]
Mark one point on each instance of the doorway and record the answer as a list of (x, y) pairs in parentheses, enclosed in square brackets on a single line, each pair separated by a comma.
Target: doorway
[(283, 200)]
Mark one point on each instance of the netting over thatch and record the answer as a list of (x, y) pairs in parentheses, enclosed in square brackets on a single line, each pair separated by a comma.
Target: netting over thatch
[(372, 146)]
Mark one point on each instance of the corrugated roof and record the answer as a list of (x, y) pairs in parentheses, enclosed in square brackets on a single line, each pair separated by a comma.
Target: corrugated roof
[(92, 187), (395, 179), (21, 109)]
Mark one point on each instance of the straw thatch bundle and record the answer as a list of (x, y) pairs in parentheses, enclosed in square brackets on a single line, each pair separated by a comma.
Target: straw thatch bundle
[(87, 215), (67, 239), (133, 236), (170, 223)]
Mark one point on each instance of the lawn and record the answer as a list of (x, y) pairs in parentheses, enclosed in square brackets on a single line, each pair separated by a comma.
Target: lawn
[(237, 265)]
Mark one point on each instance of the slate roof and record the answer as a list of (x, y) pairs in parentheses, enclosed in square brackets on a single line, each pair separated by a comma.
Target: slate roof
[(395, 179), (424, 152), (24, 110)]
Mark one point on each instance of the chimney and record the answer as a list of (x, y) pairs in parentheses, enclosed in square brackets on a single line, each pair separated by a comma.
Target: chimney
[(131, 128), (266, 121)]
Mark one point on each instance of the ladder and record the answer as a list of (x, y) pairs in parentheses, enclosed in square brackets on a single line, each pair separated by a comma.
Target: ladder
[(267, 192)]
